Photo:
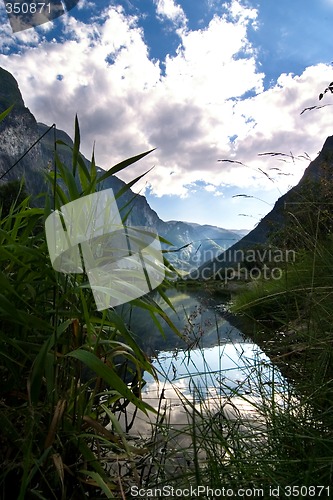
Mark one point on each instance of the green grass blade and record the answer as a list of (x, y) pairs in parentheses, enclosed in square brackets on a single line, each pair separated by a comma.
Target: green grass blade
[(76, 147), (122, 165), (84, 175), (99, 481), (6, 112), (109, 376), (131, 183), (68, 178)]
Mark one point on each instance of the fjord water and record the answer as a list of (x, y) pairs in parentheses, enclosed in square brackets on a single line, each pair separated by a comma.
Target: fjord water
[(210, 354)]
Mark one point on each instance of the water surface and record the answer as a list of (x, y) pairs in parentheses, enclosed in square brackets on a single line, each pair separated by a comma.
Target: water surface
[(210, 353)]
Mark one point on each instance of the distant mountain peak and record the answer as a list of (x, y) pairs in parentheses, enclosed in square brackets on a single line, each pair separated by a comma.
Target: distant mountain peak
[(328, 144)]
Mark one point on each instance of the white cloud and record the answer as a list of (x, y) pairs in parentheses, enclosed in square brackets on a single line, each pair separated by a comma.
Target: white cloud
[(8, 40), (206, 68), (85, 4), (210, 188), (169, 9), (278, 124), (189, 113)]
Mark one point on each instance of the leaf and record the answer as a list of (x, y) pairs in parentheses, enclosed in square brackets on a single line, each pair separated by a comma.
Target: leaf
[(99, 481), (89, 455), (131, 183), (36, 468), (117, 322), (117, 427), (268, 177), (122, 165), (166, 298), (76, 147), (93, 170), (273, 154), (58, 413), (8, 428), (156, 309), (232, 161), (315, 107), (36, 378), (6, 112), (180, 248), (62, 197), (68, 178), (109, 376), (59, 465), (84, 175), (100, 429)]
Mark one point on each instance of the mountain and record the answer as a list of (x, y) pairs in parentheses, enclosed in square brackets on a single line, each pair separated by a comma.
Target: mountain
[(20, 130), (197, 243), (299, 206), (191, 244)]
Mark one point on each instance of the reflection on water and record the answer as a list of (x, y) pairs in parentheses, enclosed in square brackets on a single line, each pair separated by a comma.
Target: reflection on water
[(222, 369), (197, 316), (210, 354)]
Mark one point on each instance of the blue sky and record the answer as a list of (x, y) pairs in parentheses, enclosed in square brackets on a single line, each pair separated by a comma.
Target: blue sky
[(200, 80)]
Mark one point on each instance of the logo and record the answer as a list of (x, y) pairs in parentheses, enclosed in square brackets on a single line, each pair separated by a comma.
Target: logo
[(87, 235), (27, 14)]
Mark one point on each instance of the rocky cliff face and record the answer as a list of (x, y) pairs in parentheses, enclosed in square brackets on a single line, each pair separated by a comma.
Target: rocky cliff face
[(20, 130), (141, 213), (197, 243)]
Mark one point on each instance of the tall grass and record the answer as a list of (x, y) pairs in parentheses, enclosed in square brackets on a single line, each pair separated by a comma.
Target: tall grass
[(269, 435), (279, 432), (65, 369), (293, 318)]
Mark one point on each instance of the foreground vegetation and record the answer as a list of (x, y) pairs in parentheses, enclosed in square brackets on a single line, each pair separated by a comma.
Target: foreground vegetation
[(67, 372), (65, 369), (283, 442), (293, 324)]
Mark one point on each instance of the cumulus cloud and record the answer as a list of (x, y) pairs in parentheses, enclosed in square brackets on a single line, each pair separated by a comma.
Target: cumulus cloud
[(208, 104), (169, 9), (276, 122), (85, 4), (17, 41)]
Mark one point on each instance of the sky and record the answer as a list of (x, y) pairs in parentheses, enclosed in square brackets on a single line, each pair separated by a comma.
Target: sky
[(199, 80)]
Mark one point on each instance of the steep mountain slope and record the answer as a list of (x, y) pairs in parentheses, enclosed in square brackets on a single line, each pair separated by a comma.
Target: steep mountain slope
[(313, 192), (20, 130), (199, 243)]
